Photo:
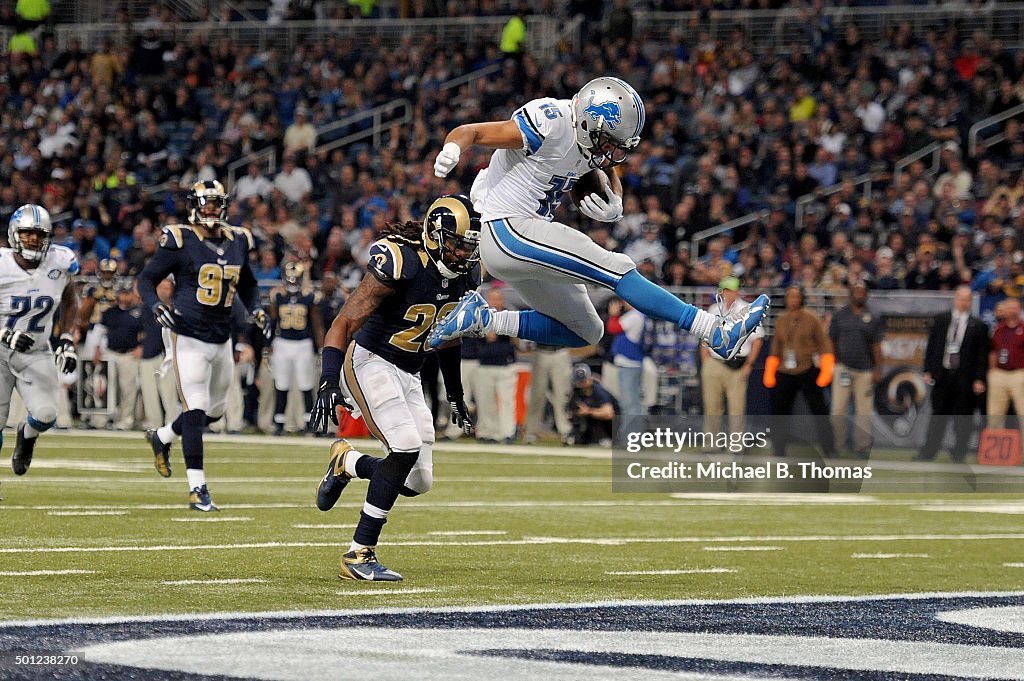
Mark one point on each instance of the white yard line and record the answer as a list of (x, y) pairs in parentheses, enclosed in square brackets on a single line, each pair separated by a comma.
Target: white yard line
[(1020, 565), (467, 533), (698, 571), (887, 556), (743, 548), (190, 582), (86, 513), (401, 591), (527, 541), (45, 573), (213, 519)]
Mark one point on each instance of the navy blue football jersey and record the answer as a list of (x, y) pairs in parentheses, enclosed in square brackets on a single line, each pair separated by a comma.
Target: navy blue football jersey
[(207, 275), (294, 312), (398, 329)]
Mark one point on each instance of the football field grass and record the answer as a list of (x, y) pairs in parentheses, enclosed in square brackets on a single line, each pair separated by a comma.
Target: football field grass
[(92, 530)]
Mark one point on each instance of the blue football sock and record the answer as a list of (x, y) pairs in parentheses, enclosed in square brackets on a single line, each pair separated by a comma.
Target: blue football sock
[(540, 328), (654, 301)]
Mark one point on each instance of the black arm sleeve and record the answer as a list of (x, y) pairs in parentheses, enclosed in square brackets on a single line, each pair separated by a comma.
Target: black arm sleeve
[(163, 262), (450, 362), (248, 291)]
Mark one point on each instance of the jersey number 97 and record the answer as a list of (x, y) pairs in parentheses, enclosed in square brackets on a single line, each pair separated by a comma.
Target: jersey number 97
[(216, 284)]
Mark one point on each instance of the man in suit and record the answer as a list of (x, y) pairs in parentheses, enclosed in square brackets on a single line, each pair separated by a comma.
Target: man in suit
[(955, 364)]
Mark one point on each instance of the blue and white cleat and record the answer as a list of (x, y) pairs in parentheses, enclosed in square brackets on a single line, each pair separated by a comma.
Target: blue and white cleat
[(469, 318), (199, 500), (729, 334), (363, 565)]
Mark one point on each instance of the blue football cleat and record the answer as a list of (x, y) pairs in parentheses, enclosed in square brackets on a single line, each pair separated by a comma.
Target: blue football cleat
[(363, 565), (729, 334), (469, 318), (161, 454), (199, 500), (336, 479)]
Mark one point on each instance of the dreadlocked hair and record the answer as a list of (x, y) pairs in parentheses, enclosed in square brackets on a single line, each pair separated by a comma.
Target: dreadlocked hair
[(408, 233)]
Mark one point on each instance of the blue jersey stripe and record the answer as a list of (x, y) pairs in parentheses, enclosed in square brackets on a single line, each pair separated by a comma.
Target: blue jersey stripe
[(521, 249), (533, 139)]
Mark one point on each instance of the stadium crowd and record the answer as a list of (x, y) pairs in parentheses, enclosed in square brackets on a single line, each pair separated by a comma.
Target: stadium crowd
[(108, 139)]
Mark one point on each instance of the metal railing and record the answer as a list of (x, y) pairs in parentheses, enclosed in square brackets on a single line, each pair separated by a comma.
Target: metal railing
[(266, 157), (975, 130), (710, 232), (375, 130), (932, 150), (542, 33), (807, 199), (789, 26)]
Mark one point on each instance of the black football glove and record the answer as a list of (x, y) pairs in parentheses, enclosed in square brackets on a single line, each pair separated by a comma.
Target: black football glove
[(460, 415), (325, 410), (64, 355), (19, 341), (164, 315)]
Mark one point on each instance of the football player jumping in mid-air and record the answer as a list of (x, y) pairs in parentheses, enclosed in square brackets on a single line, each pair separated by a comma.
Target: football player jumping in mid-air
[(36, 281), (376, 347), (539, 155), (297, 326), (210, 262)]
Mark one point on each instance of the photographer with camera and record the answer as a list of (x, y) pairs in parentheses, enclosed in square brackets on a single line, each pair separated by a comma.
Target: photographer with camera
[(591, 409)]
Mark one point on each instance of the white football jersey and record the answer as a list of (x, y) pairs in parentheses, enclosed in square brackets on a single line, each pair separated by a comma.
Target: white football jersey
[(529, 182), (29, 298)]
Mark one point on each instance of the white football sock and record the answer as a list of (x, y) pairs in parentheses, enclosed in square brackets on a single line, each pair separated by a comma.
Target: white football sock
[(355, 547), (504, 323), (166, 434), (702, 325), (196, 477), (350, 462), (30, 432)]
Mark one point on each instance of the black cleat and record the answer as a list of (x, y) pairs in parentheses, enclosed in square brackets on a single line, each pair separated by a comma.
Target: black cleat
[(23, 448), (363, 565), (161, 454), (336, 479)]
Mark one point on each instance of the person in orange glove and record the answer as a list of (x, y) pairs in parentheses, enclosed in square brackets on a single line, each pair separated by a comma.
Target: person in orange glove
[(789, 369)]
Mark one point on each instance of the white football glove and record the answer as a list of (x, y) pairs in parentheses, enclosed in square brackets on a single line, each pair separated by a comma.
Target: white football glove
[(64, 356), (596, 208), (447, 159)]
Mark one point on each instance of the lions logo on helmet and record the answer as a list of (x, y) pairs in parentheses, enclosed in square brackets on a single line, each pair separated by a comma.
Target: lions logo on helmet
[(293, 272), (451, 235), (207, 204), (607, 117), (30, 218)]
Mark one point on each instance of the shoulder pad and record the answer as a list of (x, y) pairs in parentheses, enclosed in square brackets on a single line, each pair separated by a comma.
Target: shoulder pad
[(172, 237), (242, 231), (391, 262), (66, 259)]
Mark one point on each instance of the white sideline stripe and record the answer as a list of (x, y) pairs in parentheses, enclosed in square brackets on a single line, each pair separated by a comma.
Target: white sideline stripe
[(743, 548), (86, 513), (45, 573), (321, 445), (390, 592), (292, 614), (701, 571), (190, 582), (216, 519), (1015, 509), (468, 533), (884, 556), (525, 541)]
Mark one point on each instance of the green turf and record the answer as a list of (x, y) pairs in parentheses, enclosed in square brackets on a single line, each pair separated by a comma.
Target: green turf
[(592, 532)]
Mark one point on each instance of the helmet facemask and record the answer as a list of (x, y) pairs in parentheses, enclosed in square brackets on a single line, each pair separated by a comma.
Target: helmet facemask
[(451, 236), (208, 204)]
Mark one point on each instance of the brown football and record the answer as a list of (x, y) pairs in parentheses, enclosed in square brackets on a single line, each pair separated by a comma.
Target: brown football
[(588, 184)]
